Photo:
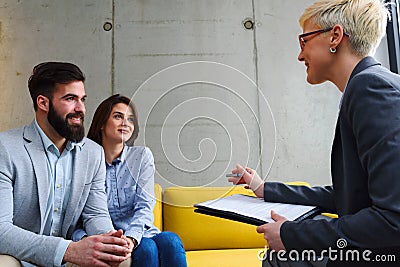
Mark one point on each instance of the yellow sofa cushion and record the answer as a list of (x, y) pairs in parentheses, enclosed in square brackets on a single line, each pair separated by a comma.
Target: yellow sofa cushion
[(224, 258), (203, 232)]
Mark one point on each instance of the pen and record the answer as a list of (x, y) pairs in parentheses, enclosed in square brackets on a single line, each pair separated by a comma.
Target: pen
[(234, 175)]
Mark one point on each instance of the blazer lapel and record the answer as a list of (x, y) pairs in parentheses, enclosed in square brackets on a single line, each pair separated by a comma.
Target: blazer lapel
[(79, 175), (34, 147)]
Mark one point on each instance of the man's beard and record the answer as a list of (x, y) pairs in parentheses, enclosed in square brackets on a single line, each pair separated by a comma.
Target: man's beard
[(74, 132)]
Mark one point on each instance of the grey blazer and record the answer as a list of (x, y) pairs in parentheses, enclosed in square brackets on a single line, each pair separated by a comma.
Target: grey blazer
[(24, 189)]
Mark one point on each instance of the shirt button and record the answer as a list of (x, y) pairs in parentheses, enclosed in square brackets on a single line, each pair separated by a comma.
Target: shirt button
[(58, 186), (56, 210), (54, 233)]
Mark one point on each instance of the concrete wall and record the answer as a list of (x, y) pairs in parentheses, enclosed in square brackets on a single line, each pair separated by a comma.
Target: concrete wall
[(210, 92)]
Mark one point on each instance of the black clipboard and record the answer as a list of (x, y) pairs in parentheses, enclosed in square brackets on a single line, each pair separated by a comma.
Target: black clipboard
[(199, 208)]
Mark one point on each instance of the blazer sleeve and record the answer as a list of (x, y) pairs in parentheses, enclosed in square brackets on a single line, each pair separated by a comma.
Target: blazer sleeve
[(20, 243), (372, 110), (95, 217), (322, 197)]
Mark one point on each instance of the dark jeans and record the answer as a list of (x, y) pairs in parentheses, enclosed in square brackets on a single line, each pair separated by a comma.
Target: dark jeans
[(163, 249)]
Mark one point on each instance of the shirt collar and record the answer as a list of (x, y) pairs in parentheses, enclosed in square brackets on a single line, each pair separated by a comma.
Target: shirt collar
[(47, 143), (121, 157), (341, 98)]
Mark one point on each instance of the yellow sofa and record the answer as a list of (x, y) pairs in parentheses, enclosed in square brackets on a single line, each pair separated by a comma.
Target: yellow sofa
[(208, 241)]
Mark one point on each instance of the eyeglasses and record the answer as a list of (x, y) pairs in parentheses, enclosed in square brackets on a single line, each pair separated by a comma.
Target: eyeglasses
[(303, 42), (301, 36)]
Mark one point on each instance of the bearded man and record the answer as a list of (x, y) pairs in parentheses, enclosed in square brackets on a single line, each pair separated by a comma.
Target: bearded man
[(52, 178)]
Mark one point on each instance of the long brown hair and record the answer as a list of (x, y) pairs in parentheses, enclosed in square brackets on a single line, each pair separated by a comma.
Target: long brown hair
[(102, 114)]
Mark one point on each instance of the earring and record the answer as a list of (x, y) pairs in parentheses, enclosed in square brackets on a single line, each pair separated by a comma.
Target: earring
[(332, 50)]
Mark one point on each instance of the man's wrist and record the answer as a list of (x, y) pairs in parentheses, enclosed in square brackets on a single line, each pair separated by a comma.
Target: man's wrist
[(69, 252)]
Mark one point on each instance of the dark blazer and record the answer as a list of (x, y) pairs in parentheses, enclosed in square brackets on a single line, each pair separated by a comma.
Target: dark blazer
[(365, 167)]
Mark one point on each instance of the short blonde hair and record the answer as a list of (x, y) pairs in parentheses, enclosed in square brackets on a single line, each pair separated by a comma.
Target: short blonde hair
[(364, 20)]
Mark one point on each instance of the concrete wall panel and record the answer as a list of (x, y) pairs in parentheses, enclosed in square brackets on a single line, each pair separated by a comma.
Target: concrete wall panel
[(35, 31)]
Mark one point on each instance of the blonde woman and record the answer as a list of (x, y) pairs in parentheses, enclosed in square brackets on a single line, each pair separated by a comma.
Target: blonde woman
[(337, 40)]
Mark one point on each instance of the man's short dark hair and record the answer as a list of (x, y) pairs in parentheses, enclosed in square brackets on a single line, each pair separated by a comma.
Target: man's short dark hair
[(45, 76)]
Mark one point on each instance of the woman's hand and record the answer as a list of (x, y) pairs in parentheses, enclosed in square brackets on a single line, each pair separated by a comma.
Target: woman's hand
[(250, 178), (131, 242)]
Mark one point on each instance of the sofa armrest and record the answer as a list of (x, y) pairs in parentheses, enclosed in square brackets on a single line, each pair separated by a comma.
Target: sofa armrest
[(158, 207)]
